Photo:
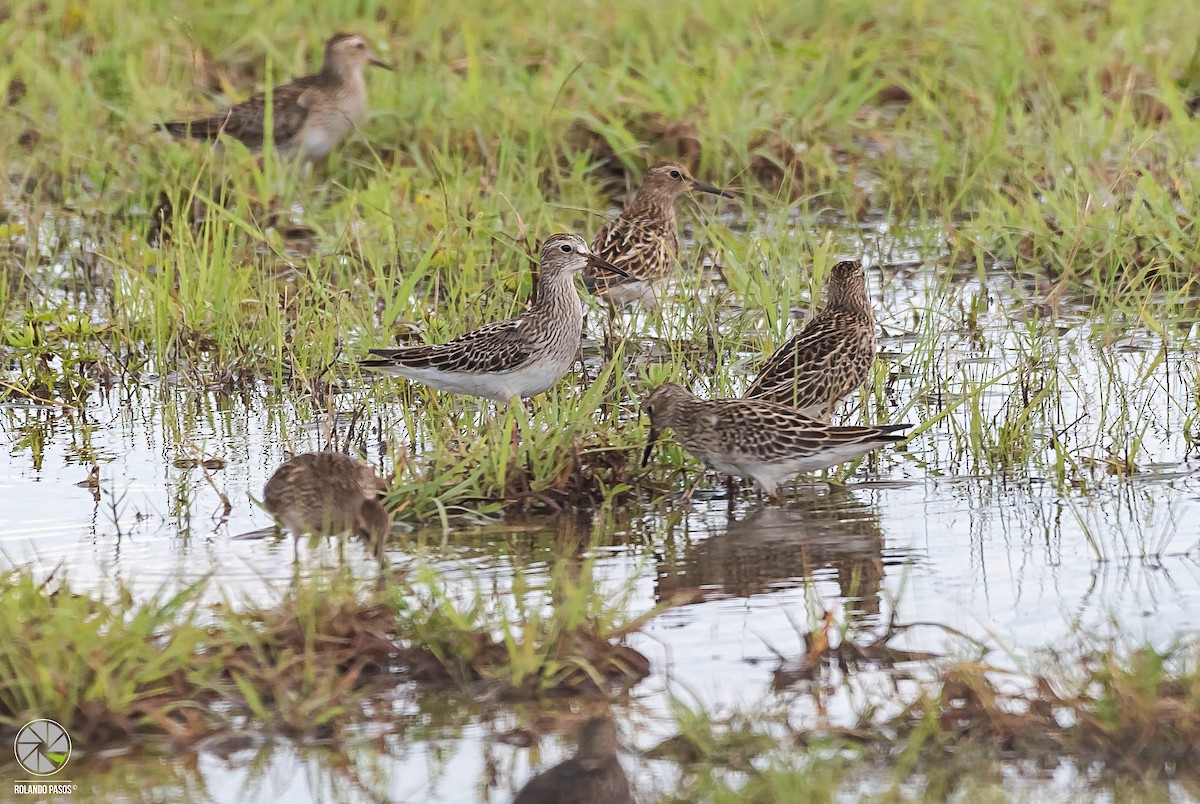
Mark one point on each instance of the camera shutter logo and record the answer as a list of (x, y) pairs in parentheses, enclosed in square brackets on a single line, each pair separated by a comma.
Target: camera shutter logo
[(42, 747)]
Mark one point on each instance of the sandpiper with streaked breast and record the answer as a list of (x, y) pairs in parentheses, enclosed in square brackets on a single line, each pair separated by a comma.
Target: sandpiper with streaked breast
[(830, 356), (328, 493), (309, 115), (513, 359), (765, 441), (644, 239)]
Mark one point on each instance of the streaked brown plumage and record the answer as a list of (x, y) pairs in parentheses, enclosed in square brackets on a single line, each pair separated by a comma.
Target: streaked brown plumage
[(753, 438), (308, 116), (592, 776), (644, 239), (830, 356), (327, 493), (516, 358)]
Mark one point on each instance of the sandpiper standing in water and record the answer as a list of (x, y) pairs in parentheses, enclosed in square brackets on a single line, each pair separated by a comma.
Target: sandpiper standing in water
[(328, 493), (309, 116), (516, 358), (644, 239), (592, 776), (830, 356), (765, 441)]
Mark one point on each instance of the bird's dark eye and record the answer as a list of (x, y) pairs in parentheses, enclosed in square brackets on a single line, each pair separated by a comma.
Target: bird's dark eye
[(361, 45), (675, 174)]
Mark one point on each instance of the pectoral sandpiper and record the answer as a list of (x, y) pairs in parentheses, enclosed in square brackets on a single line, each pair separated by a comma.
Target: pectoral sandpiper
[(830, 356), (308, 116), (328, 493), (753, 438), (513, 359), (592, 776), (644, 239)]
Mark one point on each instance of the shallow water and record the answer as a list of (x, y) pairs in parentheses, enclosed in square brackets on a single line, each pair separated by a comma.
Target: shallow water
[(929, 533)]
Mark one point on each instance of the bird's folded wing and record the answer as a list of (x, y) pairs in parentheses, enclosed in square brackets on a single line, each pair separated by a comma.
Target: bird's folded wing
[(777, 432), (246, 121), (499, 347), (289, 112), (819, 342)]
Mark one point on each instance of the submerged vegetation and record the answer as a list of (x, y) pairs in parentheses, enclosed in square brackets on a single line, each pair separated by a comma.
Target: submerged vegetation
[(328, 655), (1019, 177), (114, 669)]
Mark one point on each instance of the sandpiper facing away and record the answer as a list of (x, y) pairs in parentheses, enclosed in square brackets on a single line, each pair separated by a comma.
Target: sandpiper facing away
[(592, 776), (308, 116), (644, 239), (513, 359), (752, 438), (328, 493), (830, 356)]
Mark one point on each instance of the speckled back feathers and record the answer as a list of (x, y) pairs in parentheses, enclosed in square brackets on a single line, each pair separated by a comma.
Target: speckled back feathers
[(327, 493), (830, 356), (755, 438), (758, 429)]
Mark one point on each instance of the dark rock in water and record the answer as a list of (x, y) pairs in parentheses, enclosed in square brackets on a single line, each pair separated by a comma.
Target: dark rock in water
[(592, 776)]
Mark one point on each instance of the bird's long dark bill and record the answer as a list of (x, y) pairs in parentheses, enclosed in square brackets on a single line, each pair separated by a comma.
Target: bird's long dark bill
[(654, 433), (383, 64), (708, 188), (605, 265)]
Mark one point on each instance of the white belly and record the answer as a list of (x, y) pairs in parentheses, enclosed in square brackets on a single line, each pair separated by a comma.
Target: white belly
[(327, 127), (530, 380), (769, 475), (318, 139)]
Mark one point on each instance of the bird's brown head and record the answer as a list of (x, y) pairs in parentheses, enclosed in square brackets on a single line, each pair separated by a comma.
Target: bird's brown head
[(668, 181), (662, 406), (598, 739), (848, 287), (567, 254), (373, 522), (346, 54), (371, 484)]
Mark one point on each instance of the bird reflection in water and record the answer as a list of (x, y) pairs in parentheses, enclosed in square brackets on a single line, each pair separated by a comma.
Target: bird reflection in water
[(833, 535)]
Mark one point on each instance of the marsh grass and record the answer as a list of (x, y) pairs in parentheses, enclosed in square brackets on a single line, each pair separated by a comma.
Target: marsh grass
[(1121, 717), (1039, 154), (1021, 178), (332, 652), (306, 664), (108, 670), (1123, 709), (563, 639)]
